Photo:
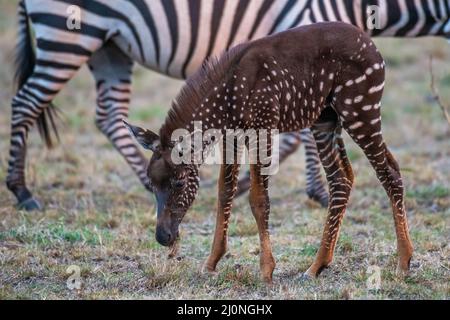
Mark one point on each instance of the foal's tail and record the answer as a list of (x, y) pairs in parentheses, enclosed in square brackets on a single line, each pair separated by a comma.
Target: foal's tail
[(25, 62)]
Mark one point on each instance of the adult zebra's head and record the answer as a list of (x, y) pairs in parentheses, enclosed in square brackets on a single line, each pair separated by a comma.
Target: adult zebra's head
[(175, 185)]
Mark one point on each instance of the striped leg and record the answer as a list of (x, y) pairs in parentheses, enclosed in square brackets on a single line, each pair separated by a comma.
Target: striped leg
[(47, 79), (112, 71), (260, 202), (340, 180), (227, 186), (315, 186), (260, 205), (388, 172)]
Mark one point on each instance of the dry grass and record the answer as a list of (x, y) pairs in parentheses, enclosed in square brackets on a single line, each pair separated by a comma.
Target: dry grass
[(99, 218)]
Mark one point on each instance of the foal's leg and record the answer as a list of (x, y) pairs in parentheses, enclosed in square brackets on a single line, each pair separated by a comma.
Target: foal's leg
[(369, 138), (227, 185), (260, 205), (358, 106), (340, 180)]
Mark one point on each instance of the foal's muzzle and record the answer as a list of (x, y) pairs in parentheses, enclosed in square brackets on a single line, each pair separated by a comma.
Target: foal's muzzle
[(164, 236)]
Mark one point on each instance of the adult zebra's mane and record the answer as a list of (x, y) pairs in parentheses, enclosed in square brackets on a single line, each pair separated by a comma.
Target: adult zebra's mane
[(197, 87)]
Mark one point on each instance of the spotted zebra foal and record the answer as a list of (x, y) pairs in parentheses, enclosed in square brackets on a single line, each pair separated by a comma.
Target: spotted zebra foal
[(327, 77)]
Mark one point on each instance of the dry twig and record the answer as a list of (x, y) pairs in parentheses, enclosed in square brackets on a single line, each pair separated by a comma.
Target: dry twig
[(436, 95)]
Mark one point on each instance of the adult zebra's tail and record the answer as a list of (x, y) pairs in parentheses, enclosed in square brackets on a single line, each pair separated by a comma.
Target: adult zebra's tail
[(24, 63)]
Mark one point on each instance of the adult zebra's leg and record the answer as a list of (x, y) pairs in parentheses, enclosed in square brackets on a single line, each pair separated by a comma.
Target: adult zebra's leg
[(315, 187), (28, 106), (112, 70)]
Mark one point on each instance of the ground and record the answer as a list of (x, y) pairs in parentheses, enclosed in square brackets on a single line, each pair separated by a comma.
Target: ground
[(99, 219)]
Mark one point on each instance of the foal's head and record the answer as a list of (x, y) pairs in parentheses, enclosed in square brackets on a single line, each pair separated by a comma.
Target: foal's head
[(175, 185)]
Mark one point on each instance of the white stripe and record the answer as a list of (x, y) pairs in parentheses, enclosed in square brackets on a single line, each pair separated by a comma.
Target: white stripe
[(204, 31), (291, 16), (330, 11), (223, 33), (343, 12), (184, 38), (267, 22), (162, 26), (136, 19), (316, 11), (248, 19), (357, 11)]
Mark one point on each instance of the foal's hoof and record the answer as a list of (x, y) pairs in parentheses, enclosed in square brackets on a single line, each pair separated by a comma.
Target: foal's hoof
[(402, 270), (30, 204), (208, 271)]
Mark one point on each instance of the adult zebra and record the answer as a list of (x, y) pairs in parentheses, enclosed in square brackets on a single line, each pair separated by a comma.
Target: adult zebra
[(172, 37)]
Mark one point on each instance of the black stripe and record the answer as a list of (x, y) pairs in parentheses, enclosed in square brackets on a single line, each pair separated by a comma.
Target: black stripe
[(120, 90), (105, 11), (24, 92), (238, 15), (48, 77), (194, 14), (413, 19), (146, 15), (42, 89), (60, 23), (261, 13), (55, 65), (323, 11), (215, 23), (429, 20), (288, 6), (172, 19), (348, 4), (53, 46)]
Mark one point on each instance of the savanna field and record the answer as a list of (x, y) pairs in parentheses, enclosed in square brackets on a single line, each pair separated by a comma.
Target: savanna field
[(100, 219)]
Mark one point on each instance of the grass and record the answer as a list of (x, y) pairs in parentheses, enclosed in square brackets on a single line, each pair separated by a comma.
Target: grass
[(98, 217)]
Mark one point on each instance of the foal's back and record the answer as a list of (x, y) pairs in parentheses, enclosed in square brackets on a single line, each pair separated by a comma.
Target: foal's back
[(293, 76)]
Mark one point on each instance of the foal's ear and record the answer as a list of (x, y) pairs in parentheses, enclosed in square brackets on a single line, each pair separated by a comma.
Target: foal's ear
[(146, 138)]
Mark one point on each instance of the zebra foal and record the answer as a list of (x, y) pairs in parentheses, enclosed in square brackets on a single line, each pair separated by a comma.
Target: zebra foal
[(334, 80)]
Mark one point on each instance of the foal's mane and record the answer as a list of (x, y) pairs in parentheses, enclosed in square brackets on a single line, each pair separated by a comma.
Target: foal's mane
[(197, 87)]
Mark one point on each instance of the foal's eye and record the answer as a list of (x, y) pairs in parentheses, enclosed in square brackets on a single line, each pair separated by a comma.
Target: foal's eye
[(178, 184)]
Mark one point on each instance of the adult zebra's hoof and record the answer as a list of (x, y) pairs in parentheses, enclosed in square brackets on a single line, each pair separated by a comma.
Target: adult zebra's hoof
[(31, 204), (243, 186), (319, 197)]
